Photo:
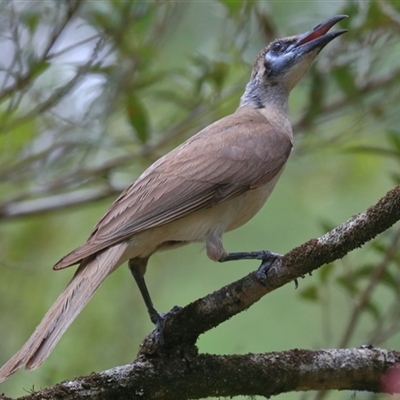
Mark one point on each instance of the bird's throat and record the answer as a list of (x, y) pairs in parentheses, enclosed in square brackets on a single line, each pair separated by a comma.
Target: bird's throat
[(265, 96)]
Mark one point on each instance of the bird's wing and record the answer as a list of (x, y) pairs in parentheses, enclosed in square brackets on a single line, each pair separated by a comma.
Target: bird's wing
[(233, 155)]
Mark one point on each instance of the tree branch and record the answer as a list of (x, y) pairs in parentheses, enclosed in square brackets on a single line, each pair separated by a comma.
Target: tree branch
[(176, 371), (251, 374), (37, 206)]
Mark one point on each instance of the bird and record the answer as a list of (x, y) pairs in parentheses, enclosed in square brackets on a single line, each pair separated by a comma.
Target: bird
[(212, 183)]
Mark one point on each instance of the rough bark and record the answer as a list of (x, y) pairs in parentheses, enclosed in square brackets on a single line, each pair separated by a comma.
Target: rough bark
[(208, 375)]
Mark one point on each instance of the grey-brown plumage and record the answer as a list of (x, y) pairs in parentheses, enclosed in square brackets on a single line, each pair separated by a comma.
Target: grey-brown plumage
[(214, 182)]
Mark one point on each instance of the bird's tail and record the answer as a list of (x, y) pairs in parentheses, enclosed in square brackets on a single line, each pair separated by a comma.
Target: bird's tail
[(69, 304)]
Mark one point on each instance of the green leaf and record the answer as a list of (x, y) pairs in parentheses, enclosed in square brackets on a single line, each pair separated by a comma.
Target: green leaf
[(347, 284), (395, 178), (210, 71), (375, 150), (138, 118), (326, 225), (13, 142), (233, 6), (365, 270), (316, 95), (30, 18), (375, 17), (351, 8), (379, 247), (310, 293), (393, 139), (390, 281), (373, 310), (38, 67), (387, 278), (346, 81)]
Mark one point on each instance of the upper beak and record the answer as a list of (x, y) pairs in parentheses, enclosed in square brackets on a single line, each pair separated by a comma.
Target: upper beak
[(319, 37)]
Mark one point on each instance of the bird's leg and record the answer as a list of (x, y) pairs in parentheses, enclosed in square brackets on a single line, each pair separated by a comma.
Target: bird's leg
[(138, 269), (216, 252), (263, 255)]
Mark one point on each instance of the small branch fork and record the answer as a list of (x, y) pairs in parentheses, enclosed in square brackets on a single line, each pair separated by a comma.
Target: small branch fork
[(176, 370)]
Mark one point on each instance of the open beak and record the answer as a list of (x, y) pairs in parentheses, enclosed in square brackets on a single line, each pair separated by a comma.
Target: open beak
[(319, 37)]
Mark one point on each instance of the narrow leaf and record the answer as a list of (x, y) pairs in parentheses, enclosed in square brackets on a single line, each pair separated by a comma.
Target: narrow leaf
[(137, 117)]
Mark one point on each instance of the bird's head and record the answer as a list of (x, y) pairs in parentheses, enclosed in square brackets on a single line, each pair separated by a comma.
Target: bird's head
[(280, 66)]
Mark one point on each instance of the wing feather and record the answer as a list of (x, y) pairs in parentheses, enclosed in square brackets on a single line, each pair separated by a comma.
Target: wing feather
[(233, 155)]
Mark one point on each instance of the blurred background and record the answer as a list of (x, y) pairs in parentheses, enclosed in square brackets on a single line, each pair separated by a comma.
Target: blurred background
[(92, 92)]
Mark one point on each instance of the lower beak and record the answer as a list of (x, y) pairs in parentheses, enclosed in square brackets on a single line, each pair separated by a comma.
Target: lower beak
[(319, 37)]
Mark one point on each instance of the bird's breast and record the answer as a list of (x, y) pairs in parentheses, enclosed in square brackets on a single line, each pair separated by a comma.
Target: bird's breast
[(249, 203)]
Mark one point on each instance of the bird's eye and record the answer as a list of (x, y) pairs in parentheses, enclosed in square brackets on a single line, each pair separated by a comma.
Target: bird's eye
[(278, 47)]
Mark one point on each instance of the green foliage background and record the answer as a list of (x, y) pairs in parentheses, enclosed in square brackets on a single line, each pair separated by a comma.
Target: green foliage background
[(174, 79)]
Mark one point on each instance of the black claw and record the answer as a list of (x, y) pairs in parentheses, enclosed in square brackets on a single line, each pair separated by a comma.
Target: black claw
[(174, 310), (159, 330), (270, 258), (296, 284), (155, 317), (159, 321), (266, 265)]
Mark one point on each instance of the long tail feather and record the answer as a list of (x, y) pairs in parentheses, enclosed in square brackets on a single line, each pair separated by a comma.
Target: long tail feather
[(69, 304)]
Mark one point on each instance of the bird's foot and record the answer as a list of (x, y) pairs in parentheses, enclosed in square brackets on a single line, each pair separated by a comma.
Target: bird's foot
[(267, 265), (159, 320)]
